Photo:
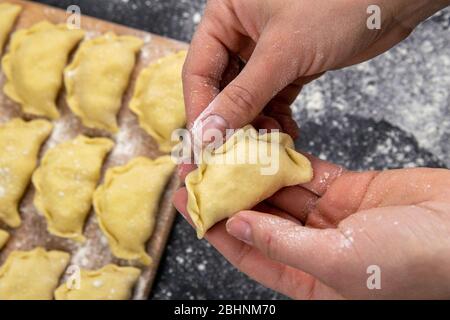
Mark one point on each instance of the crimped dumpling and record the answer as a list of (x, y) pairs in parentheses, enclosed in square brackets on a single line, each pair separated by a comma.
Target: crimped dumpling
[(8, 15), (32, 275), (127, 203), (108, 283), (20, 142), (34, 66), (158, 99), (244, 171), (65, 182), (97, 78)]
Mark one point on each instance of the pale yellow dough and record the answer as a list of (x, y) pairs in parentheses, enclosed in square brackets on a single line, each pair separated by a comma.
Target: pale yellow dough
[(127, 203), (108, 283), (34, 66), (32, 275), (4, 236), (158, 99), (65, 182), (218, 189), (20, 142), (97, 78), (8, 15)]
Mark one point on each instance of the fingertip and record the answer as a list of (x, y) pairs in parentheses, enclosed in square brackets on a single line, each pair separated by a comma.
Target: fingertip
[(239, 229), (325, 173), (209, 126), (184, 169)]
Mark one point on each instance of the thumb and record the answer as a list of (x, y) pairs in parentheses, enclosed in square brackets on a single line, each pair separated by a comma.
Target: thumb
[(315, 251), (242, 100)]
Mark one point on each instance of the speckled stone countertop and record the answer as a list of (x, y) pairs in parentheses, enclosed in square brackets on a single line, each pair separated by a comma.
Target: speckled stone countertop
[(390, 112)]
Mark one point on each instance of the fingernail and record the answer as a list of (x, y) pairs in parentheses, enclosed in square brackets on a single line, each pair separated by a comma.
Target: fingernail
[(240, 229), (202, 130)]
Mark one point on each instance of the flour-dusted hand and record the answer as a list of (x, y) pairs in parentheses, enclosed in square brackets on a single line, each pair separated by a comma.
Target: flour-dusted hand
[(285, 44), (327, 238)]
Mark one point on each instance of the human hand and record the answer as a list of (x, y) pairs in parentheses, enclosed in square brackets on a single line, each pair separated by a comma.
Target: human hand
[(317, 240), (285, 44)]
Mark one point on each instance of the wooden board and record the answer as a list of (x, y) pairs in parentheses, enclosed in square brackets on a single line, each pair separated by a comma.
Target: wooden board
[(131, 141)]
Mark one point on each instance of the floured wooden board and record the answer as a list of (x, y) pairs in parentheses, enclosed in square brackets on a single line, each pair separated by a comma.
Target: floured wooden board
[(131, 141)]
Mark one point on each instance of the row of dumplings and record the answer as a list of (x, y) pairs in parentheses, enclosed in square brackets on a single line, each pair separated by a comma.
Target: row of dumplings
[(65, 188), (95, 80), (35, 274), (66, 180)]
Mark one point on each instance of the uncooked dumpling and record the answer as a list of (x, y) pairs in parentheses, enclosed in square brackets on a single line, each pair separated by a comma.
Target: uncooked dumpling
[(244, 171), (158, 99), (127, 203), (65, 182), (4, 236), (32, 275), (20, 142), (8, 15), (97, 78), (34, 66), (108, 283)]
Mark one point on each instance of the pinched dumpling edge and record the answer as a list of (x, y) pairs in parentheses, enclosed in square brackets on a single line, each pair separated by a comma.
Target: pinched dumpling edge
[(196, 177)]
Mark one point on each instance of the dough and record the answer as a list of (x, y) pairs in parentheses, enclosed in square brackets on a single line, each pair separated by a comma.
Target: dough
[(158, 99), (8, 15), (219, 189), (4, 236), (127, 203), (65, 183), (97, 78), (32, 275), (34, 66), (108, 283), (20, 142)]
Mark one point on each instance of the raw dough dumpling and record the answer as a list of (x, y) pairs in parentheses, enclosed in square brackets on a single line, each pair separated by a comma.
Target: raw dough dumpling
[(97, 78), (32, 275), (20, 142), (158, 99), (108, 283), (127, 203), (4, 236), (65, 182), (219, 187), (8, 15), (34, 66)]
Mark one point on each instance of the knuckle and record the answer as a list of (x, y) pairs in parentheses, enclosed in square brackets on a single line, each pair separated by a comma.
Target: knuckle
[(270, 247), (241, 98), (243, 254)]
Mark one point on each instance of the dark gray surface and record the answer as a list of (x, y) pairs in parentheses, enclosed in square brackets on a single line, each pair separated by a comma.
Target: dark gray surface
[(393, 111)]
